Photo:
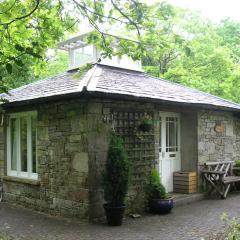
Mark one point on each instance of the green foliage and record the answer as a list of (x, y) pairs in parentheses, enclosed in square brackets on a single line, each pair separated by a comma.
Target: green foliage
[(151, 70), (185, 49), (155, 188), (173, 43), (230, 232), (146, 119), (5, 237), (27, 30), (117, 173), (237, 163), (82, 70), (56, 64)]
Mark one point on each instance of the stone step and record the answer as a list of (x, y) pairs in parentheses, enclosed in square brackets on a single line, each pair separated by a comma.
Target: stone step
[(184, 199)]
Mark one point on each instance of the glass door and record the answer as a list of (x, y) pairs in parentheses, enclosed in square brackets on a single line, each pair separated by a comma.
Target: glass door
[(169, 148)]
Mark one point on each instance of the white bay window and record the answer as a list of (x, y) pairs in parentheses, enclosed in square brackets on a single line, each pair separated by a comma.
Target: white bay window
[(21, 145)]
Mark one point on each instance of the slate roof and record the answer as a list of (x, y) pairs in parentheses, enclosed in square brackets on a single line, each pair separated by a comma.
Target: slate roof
[(111, 81)]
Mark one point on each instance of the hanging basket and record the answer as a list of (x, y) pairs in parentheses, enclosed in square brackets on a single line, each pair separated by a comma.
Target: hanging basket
[(145, 127)]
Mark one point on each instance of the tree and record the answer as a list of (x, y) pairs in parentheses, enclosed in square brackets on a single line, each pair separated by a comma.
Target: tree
[(229, 31), (197, 56), (27, 29), (57, 63), (163, 43)]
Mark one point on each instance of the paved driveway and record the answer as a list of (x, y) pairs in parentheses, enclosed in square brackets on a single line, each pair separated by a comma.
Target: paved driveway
[(186, 222)]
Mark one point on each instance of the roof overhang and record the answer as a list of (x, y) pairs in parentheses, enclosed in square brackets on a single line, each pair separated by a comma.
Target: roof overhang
[(81, 41), (115, 96)]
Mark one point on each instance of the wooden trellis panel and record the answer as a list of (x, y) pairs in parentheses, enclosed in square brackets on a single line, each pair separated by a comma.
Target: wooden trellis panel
[(139, 145)]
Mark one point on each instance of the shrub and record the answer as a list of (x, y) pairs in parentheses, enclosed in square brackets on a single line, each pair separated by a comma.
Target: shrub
[(116, 174), (237, 163), (231, 231), (156, 190)]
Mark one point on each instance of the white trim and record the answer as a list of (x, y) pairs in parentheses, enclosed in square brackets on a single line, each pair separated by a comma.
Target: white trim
[(167, 163), (29, 145), (29, 174)]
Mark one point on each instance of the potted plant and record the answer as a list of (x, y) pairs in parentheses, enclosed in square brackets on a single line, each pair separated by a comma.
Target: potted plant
[(145, 123), (115, 181), (159, 201)]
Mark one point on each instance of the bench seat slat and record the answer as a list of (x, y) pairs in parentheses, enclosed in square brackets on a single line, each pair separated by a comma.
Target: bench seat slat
[(219, 177), (231, 179)]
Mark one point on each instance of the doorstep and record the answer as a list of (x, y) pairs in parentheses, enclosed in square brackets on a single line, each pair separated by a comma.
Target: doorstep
[(184, 199)]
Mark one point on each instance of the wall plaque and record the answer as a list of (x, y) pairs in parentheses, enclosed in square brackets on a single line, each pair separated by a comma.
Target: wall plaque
[(219, 128)]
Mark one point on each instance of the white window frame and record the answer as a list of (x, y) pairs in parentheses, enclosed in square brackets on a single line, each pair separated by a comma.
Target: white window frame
[(18, 173)]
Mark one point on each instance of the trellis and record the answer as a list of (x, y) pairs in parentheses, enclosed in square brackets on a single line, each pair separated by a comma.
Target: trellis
[(139, 145)]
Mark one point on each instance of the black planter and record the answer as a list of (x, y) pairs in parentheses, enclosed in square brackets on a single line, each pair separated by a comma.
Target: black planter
[(160, 206), (145, 127), (114, 215)]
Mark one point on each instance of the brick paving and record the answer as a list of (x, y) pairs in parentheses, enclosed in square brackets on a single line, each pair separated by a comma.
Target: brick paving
[(187, 222)]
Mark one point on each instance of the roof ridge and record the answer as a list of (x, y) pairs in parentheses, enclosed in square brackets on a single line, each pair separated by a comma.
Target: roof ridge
[(92, 82), (84, 80)]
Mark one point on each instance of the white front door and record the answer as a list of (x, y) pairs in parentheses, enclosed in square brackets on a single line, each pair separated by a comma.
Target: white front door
[(169, 151)]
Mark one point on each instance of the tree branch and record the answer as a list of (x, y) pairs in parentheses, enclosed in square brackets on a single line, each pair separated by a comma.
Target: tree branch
[(24, 16), (126, 16), (9, 8), (98, 14)]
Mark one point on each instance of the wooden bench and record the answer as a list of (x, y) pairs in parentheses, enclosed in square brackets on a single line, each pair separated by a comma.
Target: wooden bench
[(219, 177)]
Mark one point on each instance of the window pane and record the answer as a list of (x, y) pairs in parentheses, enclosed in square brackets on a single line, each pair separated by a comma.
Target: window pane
[(84, 54), (171, 134), (23, 143), (34, 135), (160, 135), (13, 126)]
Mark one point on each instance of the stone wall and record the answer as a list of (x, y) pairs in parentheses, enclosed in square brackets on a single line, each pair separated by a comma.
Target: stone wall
[(236, 130), (218, 145), (63, 152), (72, 146), (2, 151), (124, 118)]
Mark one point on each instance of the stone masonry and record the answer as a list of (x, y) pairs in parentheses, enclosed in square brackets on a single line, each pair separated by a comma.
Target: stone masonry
[(72, 144), (65, 158), (218, 146)]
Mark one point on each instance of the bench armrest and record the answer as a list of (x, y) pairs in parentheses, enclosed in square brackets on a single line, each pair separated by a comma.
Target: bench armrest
[(213, 172)]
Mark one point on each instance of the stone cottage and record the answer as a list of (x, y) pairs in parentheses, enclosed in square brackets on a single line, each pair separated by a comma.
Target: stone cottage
[(54, 133)]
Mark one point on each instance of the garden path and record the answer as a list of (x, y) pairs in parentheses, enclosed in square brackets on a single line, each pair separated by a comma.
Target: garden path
[(187, 222)]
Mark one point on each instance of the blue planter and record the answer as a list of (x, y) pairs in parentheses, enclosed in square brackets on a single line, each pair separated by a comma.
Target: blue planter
[(160, 206)]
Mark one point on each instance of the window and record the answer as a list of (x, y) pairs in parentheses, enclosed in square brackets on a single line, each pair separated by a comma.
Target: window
[(21, 145), (171, 134), (84, 55)]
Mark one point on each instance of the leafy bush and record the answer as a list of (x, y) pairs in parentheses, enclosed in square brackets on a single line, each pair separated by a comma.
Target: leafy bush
[(237, 163), (117, 173), (152, 70), (231, 231), (156, 190), (5, 237)]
